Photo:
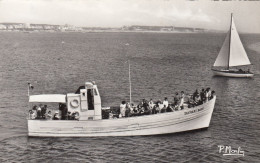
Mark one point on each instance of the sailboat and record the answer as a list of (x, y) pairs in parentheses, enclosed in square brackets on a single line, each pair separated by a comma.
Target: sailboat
[(232, 54)]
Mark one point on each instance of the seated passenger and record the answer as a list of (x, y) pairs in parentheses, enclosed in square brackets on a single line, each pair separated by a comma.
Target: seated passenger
[(212, 94), (147, 111), (141, 111), (48, 115), (56, 116), (160, 104), (68, 116), (34, 108), (176, 99), (146, 108), (197, 100), (169, 108), (32, 114), (151, 104), (163, 110), (76, 115), (190, 101), (135, 111), (111, 115), (195, 94), (156, 108)]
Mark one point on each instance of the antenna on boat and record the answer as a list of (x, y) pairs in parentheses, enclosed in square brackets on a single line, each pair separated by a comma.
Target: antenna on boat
[(129, 78)]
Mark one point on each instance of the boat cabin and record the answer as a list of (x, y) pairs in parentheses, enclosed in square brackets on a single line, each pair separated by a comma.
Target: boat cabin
[(86, 101)]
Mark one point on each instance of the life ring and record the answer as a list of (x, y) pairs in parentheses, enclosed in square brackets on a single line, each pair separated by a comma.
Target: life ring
[(74, 103)]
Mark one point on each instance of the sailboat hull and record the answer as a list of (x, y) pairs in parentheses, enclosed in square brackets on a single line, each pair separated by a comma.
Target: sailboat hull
[(235, 74)]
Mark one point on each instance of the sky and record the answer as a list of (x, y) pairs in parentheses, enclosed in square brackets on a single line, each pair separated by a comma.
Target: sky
[(117, 13)]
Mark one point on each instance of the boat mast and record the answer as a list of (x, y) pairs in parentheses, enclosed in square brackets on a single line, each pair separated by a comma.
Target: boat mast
[(230, 40), (129, 71)]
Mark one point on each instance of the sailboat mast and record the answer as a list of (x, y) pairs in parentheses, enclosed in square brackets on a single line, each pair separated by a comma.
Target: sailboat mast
[(230, 40)]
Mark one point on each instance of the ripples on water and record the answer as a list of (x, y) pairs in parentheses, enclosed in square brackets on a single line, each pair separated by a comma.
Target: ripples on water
[(161, 64)]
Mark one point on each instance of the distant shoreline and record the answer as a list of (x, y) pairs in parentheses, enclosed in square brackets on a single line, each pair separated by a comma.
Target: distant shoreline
[(109, 31), (117, 31)]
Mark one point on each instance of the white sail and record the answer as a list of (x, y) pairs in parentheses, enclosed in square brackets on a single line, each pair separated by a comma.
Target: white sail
[(238, 56), (222, 59), (232, 52)]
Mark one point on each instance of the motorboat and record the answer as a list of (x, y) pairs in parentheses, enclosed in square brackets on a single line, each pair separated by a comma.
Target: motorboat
[(86, 102)]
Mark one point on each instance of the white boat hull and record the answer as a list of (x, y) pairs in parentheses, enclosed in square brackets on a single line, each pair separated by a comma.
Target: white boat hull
[(230, 74), (163, 123)]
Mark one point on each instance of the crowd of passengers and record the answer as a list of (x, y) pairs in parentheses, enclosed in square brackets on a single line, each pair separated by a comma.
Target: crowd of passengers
[(42, 112), (180, 101)]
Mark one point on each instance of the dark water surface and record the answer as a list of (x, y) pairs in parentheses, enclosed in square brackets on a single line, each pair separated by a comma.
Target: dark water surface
[(161, 64)]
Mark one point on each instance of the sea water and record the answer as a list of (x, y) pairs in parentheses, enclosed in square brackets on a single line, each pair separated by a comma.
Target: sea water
[(161, 64)]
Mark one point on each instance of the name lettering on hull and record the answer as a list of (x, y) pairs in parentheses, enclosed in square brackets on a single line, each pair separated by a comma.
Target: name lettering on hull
[(193, 111)]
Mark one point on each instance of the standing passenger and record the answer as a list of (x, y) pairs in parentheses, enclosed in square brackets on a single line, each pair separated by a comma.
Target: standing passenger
[(43, 111), (176, 99), (127, 110), (197, 100), (208, 94), (122, 108), (202, 95), (160, 104), (165, 102), (195, 94), (151, 104), (39, 111), (181, 100), (212, 94), (157, 108)]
